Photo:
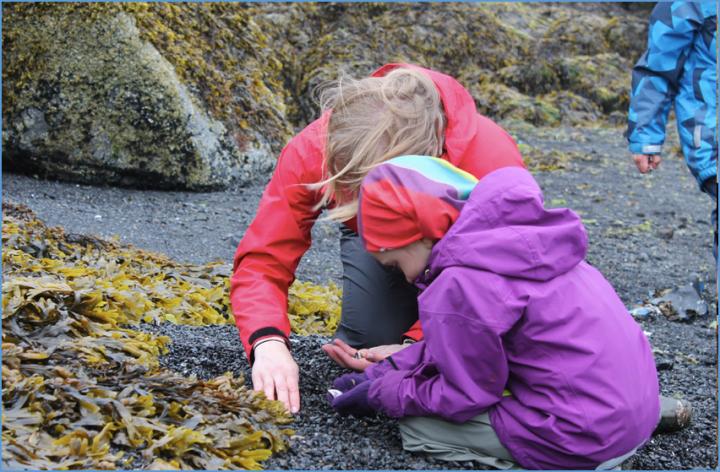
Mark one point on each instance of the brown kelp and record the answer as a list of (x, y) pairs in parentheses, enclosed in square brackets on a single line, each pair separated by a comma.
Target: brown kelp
[(132, 285), (82, 389)]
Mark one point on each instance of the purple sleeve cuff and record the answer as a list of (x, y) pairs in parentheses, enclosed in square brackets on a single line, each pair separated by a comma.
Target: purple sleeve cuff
[(384, 393), (378, 370)]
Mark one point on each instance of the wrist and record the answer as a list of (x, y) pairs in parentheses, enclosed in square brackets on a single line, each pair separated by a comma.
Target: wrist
[(266, 340), (268, 344)]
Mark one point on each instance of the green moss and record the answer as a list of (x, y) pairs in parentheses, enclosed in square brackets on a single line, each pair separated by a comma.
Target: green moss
[(217, 50), (458, 39), (500, 101), (222, 53), (602, 78), (538, 79), (627, 36), (574, 109), (572, 33), (621, 230), (547, 160)]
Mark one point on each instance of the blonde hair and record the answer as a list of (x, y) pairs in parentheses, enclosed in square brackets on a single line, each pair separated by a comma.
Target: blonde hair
[(373, 120)]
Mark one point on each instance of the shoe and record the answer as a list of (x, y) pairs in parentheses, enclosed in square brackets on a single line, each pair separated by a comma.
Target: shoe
[(675, 415)]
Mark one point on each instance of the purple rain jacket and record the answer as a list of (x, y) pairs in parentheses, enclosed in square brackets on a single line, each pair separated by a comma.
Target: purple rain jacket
[(508, 302)]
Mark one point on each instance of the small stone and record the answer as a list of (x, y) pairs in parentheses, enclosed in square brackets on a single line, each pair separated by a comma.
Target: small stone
[(665, 233), (681, 303), (644, 312)]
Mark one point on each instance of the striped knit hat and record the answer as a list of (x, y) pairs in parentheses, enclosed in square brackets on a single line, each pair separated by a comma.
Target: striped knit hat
[(409, 198)]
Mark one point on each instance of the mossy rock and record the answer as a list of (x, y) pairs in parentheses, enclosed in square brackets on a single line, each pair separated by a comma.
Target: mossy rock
[(197, 95), (603, 78), (627, 36), (551, 109), (538, 78), (356, 39), (573, 33), (86, 98), (574, 109), (476, 43), (501, 101)]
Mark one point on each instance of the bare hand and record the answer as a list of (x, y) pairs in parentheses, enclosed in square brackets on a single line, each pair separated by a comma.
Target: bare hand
[(647, 162), (276, 373), (358, 359), (378, 353)]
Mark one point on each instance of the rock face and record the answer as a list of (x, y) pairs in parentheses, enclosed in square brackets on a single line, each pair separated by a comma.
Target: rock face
[(544, 64), (198, 95), (101, 105)]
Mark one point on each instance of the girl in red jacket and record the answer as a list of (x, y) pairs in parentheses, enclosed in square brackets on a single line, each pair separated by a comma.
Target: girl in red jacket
[(401, 109)]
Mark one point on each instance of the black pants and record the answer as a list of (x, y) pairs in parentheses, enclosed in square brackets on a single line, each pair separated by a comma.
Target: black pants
[(378, 304)]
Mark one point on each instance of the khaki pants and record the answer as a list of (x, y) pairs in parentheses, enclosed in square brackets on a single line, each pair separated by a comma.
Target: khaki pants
[(474, 440)]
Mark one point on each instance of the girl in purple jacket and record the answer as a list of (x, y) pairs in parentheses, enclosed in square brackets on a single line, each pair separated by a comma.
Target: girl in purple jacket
[(529, 355)]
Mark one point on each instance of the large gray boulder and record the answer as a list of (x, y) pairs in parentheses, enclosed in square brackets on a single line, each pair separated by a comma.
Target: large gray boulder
[(101, 105)]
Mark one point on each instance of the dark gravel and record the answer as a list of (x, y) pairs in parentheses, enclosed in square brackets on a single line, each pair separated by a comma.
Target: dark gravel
[(647, 233), (187, 226), (323, 439)]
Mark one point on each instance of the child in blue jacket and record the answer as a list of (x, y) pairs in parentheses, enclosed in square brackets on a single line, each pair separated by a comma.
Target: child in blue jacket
[(679, 67)]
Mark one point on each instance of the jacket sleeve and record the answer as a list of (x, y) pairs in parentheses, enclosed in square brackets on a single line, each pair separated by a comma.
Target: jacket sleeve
[(655, 77), (407, 359), (460, 369), (266, 258)]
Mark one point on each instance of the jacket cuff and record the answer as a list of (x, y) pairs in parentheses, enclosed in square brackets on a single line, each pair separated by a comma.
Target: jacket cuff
[(379, 369), (265, 333), (641, 148), (383, 395)]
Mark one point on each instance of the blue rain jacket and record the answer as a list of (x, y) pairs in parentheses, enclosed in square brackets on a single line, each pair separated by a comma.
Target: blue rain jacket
[(680, 66)]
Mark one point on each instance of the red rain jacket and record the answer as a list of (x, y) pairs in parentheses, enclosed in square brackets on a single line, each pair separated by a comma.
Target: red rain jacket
[(266, 259)]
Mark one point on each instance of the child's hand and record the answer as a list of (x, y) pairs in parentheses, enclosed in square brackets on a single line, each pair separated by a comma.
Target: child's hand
[(378, 353), (358, 359), (347, 382), (647, 162), (346, 356), (355, 401)]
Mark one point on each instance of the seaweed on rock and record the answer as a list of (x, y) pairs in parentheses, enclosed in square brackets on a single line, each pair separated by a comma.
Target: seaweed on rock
[(155, 76)]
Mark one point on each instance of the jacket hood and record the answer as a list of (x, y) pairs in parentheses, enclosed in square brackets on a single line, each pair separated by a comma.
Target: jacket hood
[(504, 228)]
